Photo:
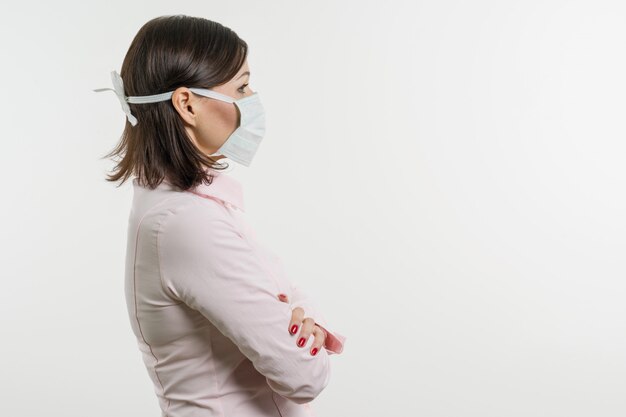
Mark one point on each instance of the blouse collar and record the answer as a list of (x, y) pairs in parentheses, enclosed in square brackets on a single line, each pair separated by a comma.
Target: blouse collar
[(224, 187)]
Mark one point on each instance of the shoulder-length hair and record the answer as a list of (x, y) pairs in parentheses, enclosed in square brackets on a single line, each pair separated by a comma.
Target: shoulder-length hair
[(169, 52)]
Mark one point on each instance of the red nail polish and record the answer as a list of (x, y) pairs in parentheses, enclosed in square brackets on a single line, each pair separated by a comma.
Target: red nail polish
[(314, 351), (294, 329), (301, 342)]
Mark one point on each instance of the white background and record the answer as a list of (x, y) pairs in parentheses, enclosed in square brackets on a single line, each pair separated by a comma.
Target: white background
[(446, 178)]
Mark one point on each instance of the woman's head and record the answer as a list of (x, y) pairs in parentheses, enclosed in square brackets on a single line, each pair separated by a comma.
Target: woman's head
[(173, 139)]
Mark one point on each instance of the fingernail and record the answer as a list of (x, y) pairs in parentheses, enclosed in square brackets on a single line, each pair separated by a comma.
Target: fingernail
[(294, 329), (314, 351), (282, 295), (301, 342)]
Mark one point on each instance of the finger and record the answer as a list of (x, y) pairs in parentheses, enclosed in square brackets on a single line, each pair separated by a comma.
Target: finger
[(320, 338), (308, 325), (297, 315), (283, 297)]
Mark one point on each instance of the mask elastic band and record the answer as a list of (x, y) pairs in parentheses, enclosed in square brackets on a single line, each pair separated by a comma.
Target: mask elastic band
[(118, 88)]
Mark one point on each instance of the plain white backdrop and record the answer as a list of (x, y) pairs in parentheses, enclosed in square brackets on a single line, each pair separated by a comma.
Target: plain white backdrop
[(446, 178)]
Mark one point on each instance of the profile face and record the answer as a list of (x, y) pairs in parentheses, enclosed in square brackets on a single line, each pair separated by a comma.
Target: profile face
[(215, 120)]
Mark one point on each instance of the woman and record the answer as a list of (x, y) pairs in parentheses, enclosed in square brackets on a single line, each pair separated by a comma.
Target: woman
[(222, 330)]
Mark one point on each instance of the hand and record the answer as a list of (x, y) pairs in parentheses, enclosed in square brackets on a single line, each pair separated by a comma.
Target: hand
[(308, 328)]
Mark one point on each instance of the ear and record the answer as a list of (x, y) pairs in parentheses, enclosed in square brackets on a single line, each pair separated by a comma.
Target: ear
[(186, 104)]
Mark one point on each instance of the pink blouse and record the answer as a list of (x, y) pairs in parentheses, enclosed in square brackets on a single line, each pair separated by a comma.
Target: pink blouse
[(202, 297)]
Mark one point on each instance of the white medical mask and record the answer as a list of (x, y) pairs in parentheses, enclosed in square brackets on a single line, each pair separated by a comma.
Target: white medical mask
[(240, 146)]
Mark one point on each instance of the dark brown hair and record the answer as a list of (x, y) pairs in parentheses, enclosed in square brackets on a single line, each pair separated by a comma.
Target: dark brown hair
[(170, 52)]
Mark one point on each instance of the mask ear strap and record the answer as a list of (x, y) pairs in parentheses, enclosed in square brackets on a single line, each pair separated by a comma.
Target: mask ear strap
[(166, 96), (213, 94), (150, 99), (118, 88)]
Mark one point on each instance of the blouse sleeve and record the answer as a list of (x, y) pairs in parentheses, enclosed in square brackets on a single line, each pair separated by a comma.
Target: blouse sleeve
[(207, 264)]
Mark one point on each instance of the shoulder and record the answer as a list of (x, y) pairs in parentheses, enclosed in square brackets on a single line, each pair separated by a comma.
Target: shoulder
[(191, 207), (195, 237), (192, 216)]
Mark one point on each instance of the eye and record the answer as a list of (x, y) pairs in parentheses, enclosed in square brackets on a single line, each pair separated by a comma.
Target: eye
[(243, 86)]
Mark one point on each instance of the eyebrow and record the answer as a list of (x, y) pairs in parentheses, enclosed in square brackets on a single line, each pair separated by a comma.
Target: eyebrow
[(245, 73)]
